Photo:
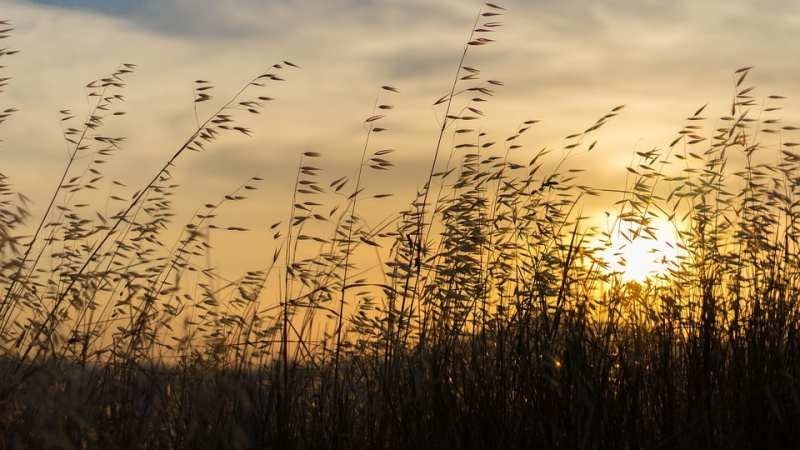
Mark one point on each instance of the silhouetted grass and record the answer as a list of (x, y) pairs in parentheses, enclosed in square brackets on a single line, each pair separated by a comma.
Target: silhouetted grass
[(496, 323)]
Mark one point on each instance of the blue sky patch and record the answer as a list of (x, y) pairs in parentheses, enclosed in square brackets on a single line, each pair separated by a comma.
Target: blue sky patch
[(109, 7)]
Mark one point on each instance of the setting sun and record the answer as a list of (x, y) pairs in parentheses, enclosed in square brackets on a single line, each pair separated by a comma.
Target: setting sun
[(637, 256)]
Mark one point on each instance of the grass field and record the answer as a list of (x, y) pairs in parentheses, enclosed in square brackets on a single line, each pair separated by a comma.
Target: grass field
[(500, 317)]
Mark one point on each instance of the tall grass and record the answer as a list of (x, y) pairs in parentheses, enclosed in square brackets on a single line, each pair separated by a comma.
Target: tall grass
[(497, 321)]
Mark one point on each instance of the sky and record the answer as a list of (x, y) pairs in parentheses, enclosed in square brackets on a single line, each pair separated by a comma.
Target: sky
[(565, 63)]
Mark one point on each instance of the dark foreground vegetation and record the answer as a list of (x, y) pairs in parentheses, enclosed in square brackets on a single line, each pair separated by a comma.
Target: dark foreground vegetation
[(496, 322)]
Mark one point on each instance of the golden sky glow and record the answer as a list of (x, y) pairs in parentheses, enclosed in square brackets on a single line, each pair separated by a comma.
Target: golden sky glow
[(638, 256), (565, 63)]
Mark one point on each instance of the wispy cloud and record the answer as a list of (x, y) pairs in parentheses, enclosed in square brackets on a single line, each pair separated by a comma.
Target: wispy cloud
[(564, 62)]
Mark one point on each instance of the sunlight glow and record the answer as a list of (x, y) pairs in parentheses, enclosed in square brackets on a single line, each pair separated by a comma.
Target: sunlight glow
[(641, 257)]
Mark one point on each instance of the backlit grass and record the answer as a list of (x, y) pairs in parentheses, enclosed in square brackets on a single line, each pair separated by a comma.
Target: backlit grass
[(500, 317)]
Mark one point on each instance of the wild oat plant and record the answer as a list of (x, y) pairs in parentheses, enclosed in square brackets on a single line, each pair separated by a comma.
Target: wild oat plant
[(495, 322)]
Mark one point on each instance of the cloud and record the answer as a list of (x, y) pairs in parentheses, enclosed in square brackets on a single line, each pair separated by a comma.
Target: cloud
[(566, 63)]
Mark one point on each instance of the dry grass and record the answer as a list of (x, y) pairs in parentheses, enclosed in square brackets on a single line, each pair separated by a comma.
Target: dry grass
[(496, 323)]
